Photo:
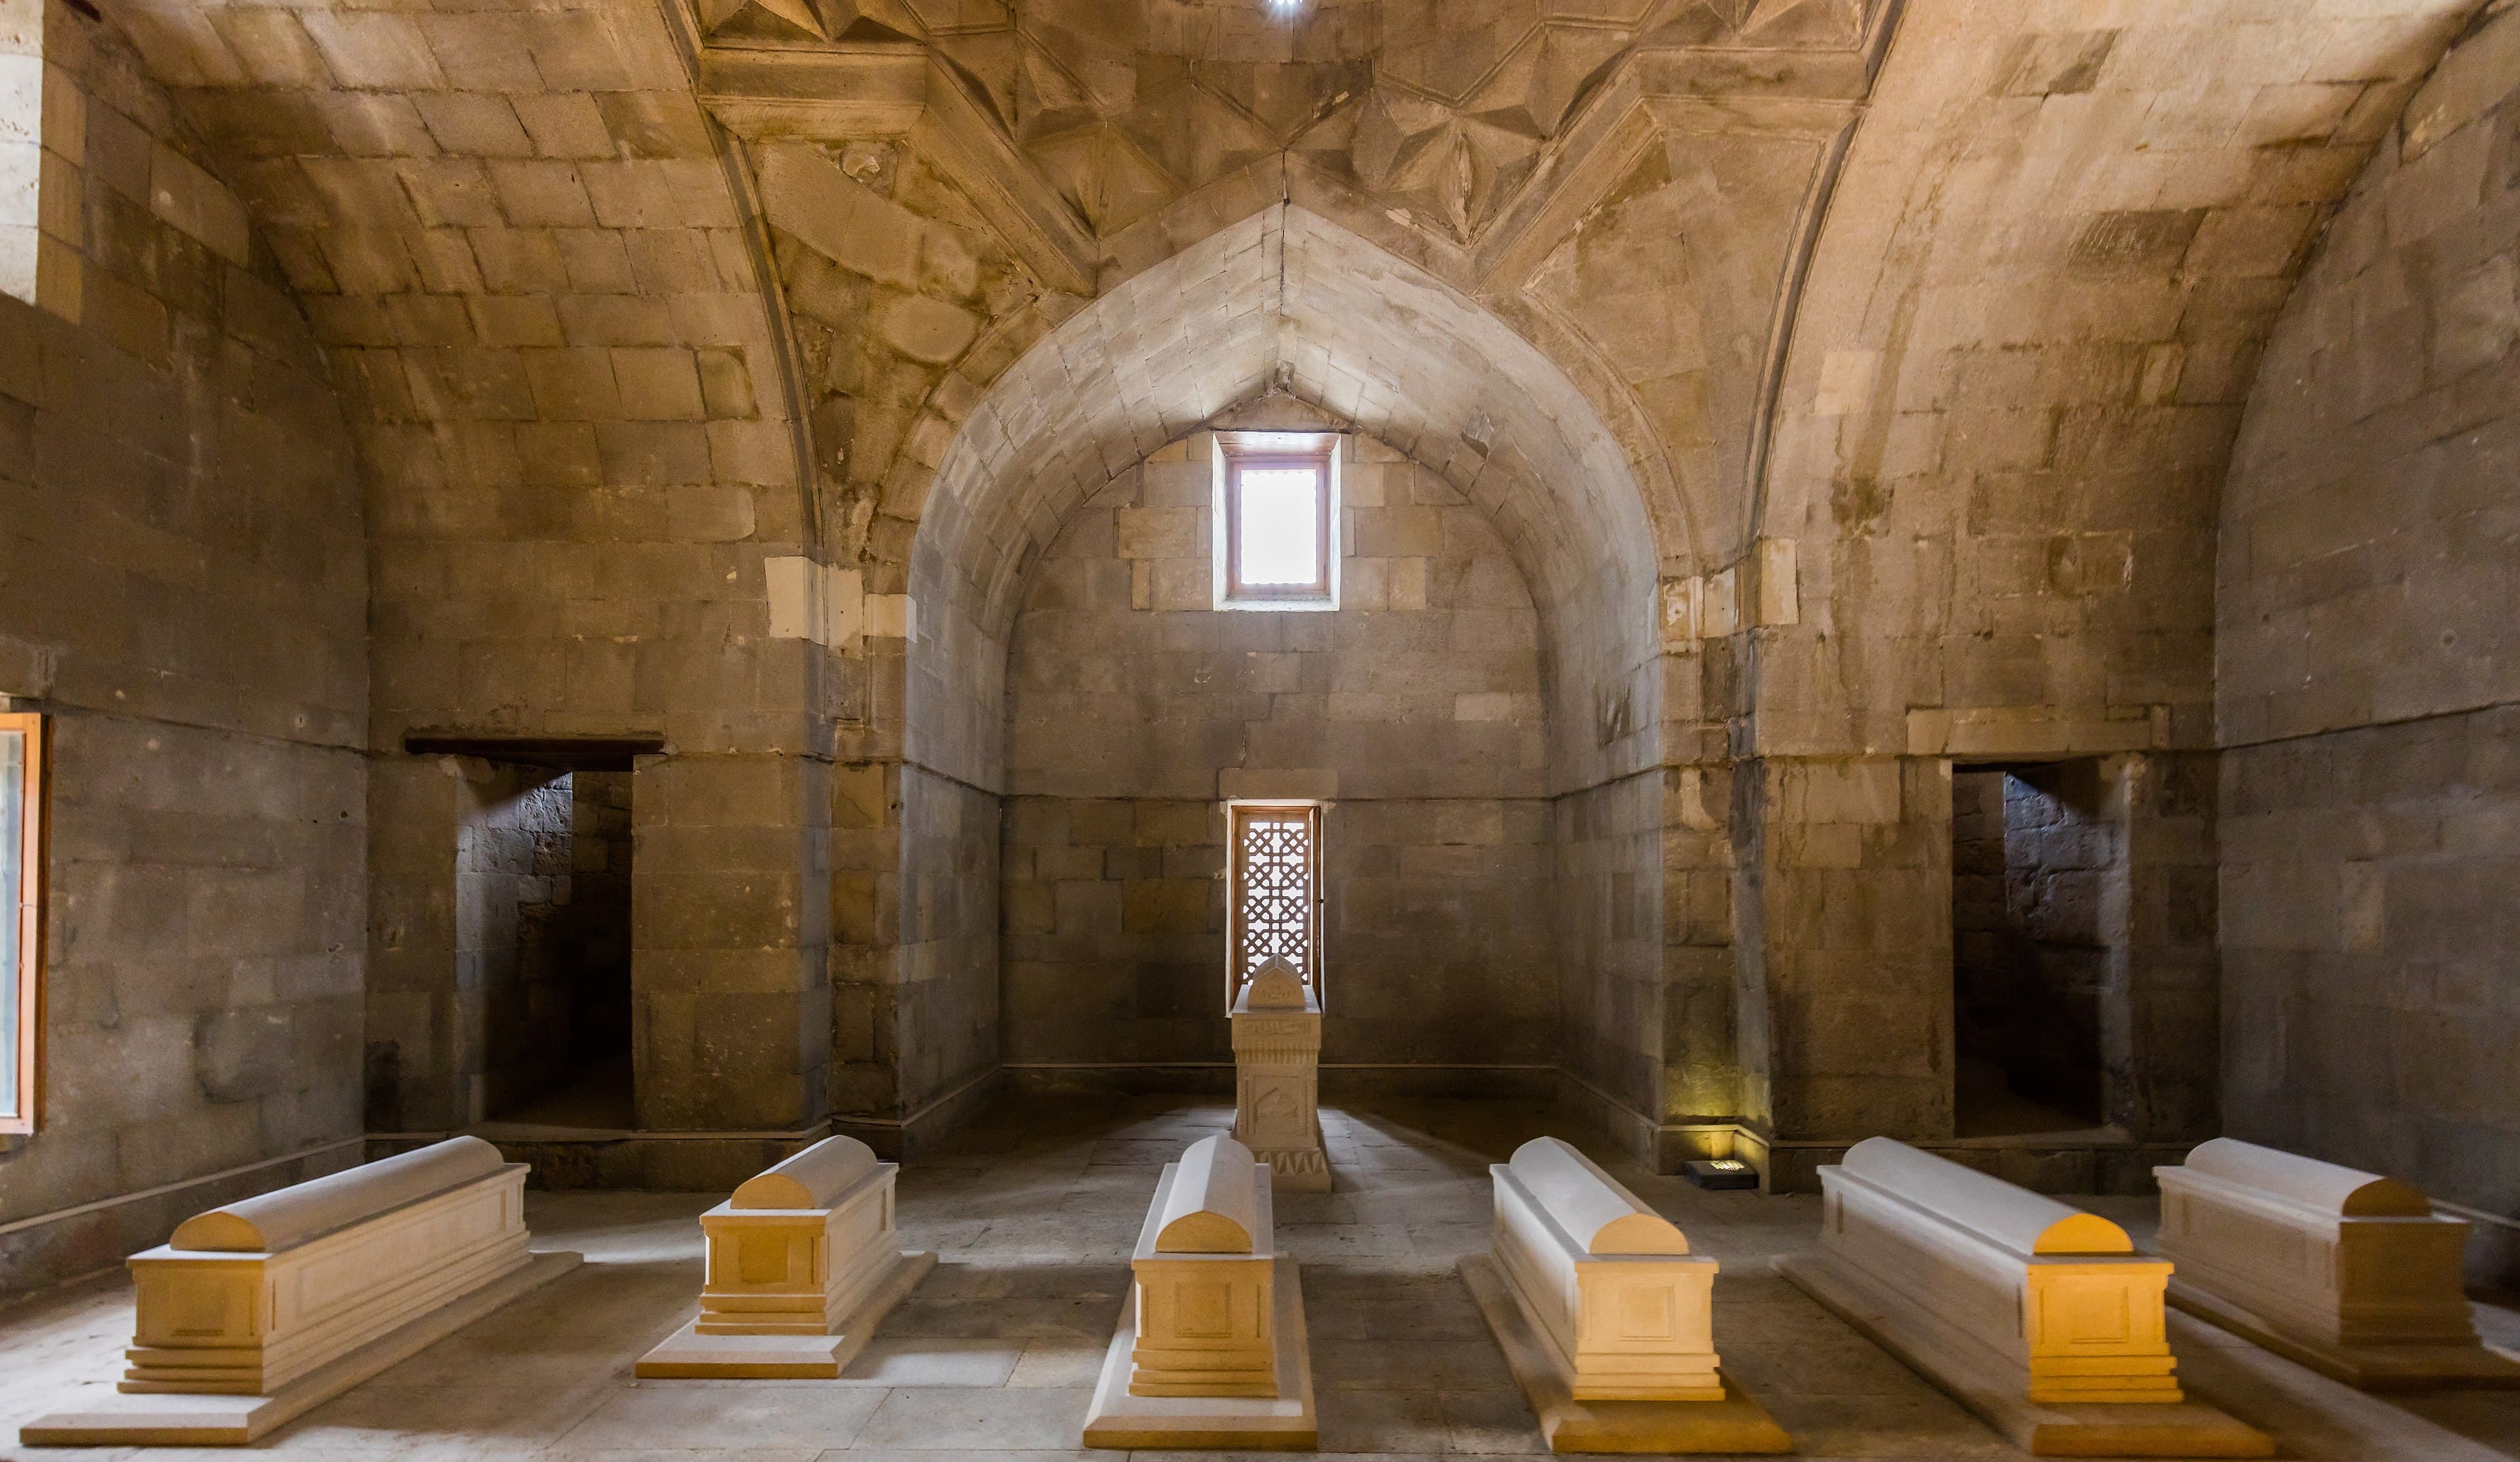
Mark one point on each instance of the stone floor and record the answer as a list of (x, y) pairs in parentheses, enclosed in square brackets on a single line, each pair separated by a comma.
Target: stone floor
[(1034, 1211)]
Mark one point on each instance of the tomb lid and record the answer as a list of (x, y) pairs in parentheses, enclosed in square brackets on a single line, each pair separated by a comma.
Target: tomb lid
[(2328, 1187), (1213, 1206), (1594, 1209), (289, 1217), (813, 1178), (1275, 985), (2013, 1217)]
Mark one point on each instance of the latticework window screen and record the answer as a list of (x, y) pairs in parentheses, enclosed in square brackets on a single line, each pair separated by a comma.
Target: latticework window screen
[(1276, 883)]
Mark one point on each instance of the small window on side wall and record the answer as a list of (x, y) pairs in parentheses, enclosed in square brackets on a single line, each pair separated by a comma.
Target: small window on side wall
[(22, 964), (1277, 514)]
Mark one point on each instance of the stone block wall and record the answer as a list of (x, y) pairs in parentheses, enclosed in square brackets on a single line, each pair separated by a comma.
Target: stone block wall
[(1435, 937), (1440, 927), (729, 931), (183, 592), (1114, 929), (1845, 946), (2161, 1053), (947, 959), (914, 1030), (2368, 674), (1134, 706), (1608, 935)]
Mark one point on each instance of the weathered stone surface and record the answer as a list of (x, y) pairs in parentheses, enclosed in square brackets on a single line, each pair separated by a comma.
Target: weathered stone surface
[(1122, 715), (1767, 418), (183, 589), (2366, 674)]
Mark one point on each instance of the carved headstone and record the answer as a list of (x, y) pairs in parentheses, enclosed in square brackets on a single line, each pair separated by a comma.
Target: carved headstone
[(1277, 1075)]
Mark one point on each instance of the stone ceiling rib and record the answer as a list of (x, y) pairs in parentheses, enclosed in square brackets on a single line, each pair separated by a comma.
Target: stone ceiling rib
[(1288, 297), (2032, 319), (1283, 298)]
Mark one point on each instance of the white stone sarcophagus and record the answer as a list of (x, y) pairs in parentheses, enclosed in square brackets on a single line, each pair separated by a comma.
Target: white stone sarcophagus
[(2349, 1272), (1277, 1075), (803, 1262), (1627, 1309), (247, 1298), (1204, 1277), (2060, 1294), (1210, 1351), (2039, 1317), (256, 1311), (1604, 1316)]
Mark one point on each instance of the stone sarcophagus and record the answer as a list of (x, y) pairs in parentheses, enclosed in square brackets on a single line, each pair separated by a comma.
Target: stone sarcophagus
[(1211, 1349), (2040, 1317), (1205, 1271), (2058, 1295), (245, 1299), (802, 1244), (1628, 1312), (1277, 1075), (2349, 1272), (254, 1312), (1606, 1318), (803, 1261)]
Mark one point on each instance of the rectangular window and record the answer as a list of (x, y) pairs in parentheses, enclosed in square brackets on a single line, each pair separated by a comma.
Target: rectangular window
[(1276, 893), (21, 865), (1276, 521)]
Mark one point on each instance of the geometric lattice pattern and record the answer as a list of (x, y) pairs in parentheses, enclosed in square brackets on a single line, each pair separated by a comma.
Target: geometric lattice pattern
[(1274, 886)]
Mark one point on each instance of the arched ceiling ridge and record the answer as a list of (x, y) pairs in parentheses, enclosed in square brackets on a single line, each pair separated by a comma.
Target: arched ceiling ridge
[(2030, 322), (1289, 300), (1495, 146)]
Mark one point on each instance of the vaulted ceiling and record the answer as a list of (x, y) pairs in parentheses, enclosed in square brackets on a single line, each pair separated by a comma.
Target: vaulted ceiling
[(709, 270)]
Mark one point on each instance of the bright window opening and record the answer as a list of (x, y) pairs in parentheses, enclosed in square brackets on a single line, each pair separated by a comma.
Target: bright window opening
[(1276, 521), (1281, 518)]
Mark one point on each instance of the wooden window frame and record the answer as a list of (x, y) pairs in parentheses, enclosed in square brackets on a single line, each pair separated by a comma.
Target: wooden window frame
[(1261, 452), (26, 926), (1239, 812)]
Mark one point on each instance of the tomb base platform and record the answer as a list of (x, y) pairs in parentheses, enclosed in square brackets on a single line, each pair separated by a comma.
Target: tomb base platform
[(1297, 1170), (688, 1354), (177, 1419), (1963, 1369), (1736, 1424), (2397, 1367), (1284, 1422)]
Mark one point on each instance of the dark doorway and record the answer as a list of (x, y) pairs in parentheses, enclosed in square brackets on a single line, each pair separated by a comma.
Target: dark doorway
[(591, 935), (543, 929), (2032, 852)]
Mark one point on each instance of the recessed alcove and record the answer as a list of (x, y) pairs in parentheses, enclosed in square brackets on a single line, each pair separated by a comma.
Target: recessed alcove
[(2034, 859)]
